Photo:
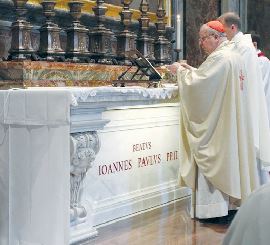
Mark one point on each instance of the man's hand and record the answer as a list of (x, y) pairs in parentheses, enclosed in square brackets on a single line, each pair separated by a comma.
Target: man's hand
[(178, 65), (173, 67), (185, 65)]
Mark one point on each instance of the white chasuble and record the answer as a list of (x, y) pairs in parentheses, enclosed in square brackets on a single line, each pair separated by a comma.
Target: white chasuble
[(264, 63), (215, 125), (256, 96)]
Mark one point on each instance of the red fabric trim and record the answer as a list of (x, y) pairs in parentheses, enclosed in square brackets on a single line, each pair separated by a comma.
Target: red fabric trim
[(261, 54)]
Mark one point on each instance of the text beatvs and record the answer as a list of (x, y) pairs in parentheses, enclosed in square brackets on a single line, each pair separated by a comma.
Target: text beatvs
[(142, 146), (114, 167)]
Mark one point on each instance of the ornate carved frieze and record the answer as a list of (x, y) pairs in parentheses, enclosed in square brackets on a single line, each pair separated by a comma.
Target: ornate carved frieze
[(84, 147)]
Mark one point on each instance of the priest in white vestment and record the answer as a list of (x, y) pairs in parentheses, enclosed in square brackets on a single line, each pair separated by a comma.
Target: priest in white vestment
[(251, 224), (264, 63), (217, 154), (256, 97)]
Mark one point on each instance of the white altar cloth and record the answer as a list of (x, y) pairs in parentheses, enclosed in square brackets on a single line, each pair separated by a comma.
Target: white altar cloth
[(82, 94), (153, 93), (34, 167)]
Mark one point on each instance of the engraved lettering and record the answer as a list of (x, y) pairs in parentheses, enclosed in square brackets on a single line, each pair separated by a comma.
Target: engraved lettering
[(115, 167), (142, 146)]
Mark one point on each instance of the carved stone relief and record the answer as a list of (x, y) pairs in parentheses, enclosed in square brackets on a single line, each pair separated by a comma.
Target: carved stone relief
[(84, 147)]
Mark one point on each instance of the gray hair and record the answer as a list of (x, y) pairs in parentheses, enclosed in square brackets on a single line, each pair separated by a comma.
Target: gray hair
[(215, 32), (231, 18)]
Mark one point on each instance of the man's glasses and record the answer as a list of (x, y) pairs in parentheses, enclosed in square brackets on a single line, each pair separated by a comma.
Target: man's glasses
[(202, 39)]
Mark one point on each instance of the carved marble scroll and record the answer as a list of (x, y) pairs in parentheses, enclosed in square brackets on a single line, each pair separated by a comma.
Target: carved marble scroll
[(84, 147)]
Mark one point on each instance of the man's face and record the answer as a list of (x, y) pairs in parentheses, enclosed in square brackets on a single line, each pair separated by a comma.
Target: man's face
[(208, 42), (255, 45)]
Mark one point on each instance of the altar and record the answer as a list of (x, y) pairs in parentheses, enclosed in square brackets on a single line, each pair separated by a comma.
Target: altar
[(75, 159)]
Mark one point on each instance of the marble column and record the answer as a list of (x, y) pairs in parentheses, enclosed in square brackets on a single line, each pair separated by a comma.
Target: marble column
[(230, 6)]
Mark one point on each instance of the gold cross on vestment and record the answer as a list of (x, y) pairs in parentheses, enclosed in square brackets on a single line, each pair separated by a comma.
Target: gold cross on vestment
[(242, 78)]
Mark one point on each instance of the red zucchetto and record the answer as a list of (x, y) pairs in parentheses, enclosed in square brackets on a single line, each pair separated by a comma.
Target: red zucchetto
[(216, 25)]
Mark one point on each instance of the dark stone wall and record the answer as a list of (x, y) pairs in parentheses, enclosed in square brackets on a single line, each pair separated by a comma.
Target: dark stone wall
[(196, 14), (259, 21)]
